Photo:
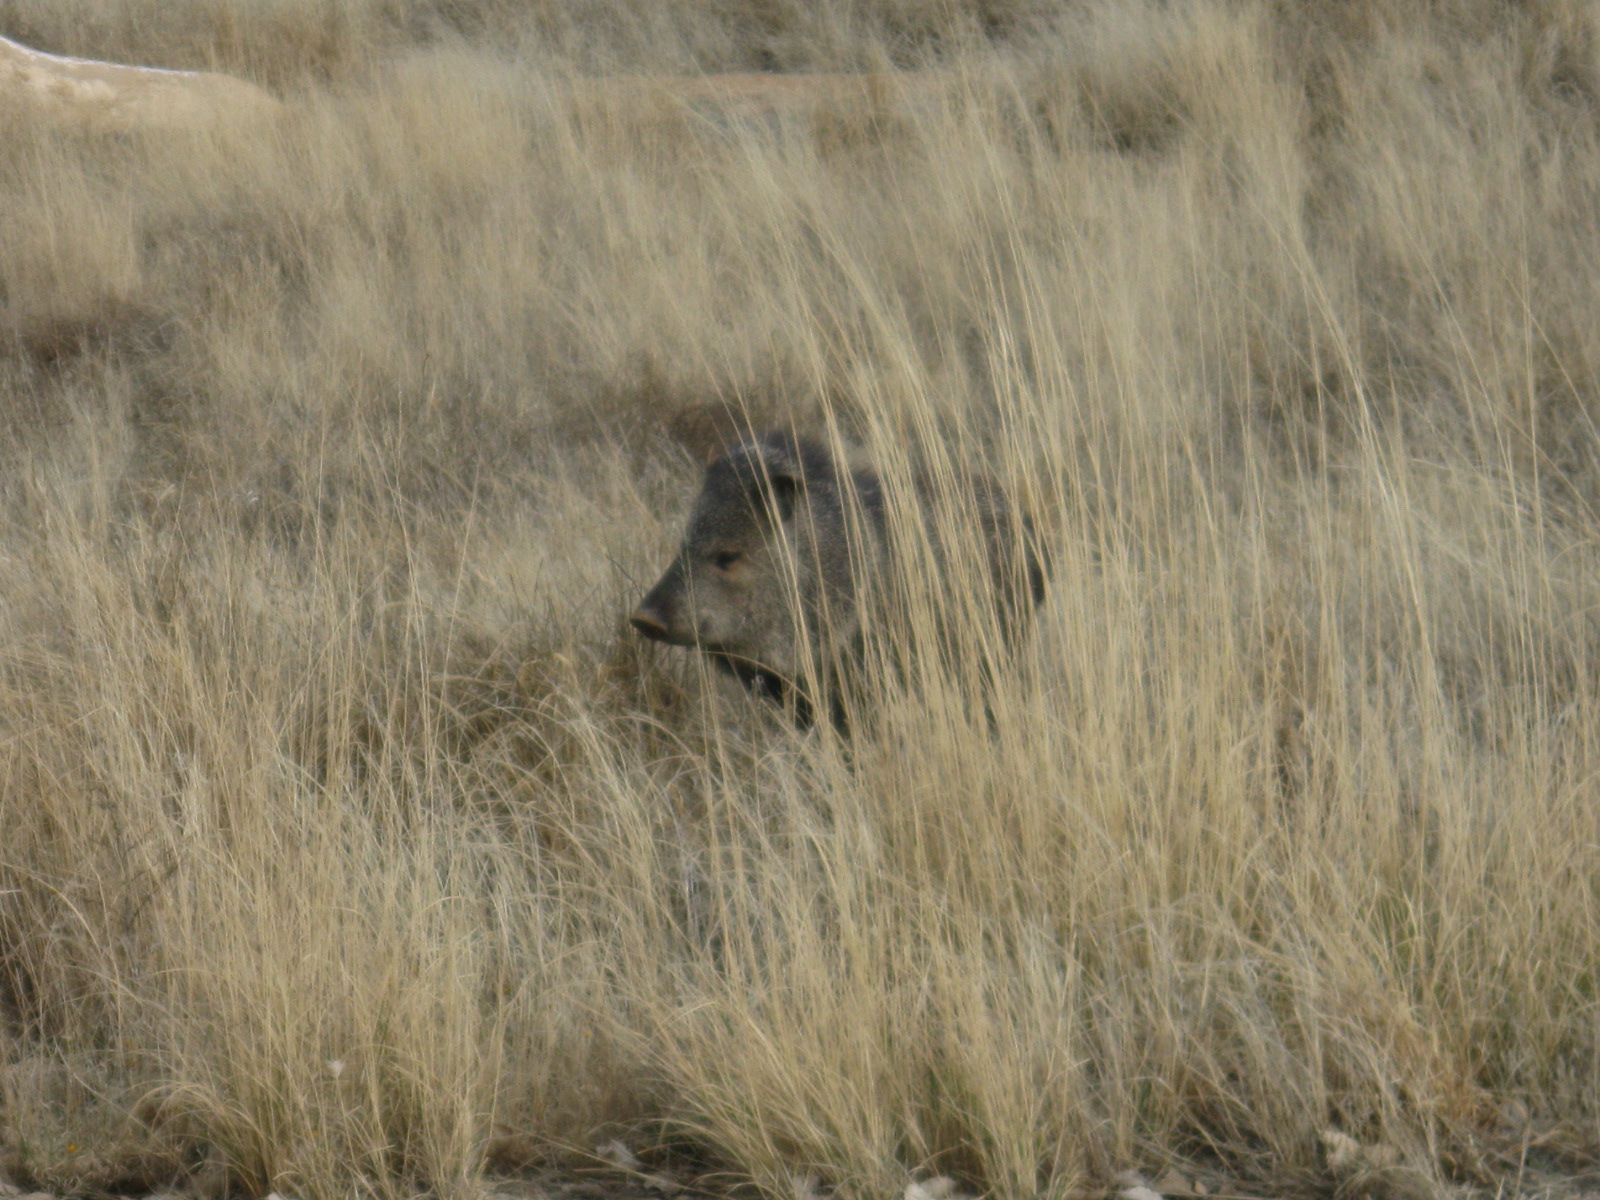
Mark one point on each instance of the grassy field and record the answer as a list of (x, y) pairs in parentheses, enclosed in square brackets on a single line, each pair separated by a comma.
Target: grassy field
[(350, 843)]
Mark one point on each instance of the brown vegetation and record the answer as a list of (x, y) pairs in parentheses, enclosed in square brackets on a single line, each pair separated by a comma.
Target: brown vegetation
[(349, 843)]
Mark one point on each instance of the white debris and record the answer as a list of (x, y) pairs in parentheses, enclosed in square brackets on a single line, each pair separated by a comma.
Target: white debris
[(617, 1154), (940, 1187), (1131, 1185)]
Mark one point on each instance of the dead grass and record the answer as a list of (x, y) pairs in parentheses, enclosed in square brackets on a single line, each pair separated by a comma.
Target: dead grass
[(350, 844)]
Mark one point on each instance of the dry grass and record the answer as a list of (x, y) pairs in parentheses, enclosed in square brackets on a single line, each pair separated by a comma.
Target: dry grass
[(348, 843)]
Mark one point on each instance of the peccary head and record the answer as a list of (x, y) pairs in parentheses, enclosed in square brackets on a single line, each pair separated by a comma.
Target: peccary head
[(765, 578)]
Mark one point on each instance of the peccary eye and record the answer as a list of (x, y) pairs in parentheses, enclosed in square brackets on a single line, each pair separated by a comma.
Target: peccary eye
[(725, 559)]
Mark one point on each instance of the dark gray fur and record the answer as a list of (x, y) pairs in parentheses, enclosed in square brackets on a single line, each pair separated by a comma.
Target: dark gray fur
[(785, 547)]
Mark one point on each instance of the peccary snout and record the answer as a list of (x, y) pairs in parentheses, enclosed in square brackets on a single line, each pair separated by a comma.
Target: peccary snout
[(649, 623), (655, 616)]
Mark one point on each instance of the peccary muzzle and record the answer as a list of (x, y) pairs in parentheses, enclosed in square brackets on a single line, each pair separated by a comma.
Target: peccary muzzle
[(785, 548)]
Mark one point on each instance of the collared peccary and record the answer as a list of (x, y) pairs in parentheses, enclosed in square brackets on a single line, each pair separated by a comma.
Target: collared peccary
[(790, 555)]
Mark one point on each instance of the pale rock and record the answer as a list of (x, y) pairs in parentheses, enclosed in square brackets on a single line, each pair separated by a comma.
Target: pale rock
[(1174, 1184), (109, 97)]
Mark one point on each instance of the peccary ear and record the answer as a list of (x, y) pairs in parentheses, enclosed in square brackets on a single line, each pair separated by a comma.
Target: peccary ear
[(778, 476), (781, 488)]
